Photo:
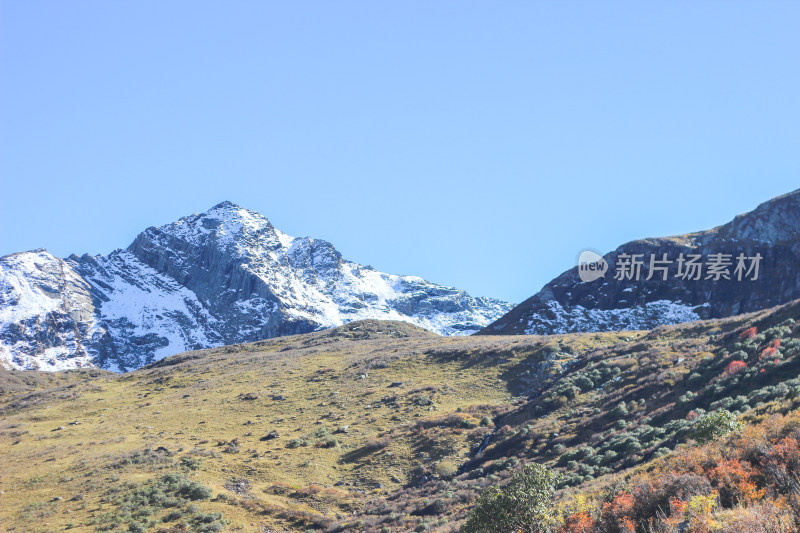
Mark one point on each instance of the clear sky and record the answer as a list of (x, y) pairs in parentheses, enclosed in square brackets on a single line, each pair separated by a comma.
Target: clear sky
[(476, 144)]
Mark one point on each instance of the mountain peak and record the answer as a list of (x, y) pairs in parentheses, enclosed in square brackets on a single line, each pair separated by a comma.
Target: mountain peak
[(224, 224), (230, 211), (224, 276), (226, 204)]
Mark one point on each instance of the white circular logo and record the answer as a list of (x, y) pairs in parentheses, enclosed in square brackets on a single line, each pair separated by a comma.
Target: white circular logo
[(591, 266)]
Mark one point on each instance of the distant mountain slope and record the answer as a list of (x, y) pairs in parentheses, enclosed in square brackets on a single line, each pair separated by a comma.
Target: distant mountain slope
[(568, 304), (221, 277)]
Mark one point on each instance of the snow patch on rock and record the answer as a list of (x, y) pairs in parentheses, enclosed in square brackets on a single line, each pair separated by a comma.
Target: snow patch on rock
[(559, 319)]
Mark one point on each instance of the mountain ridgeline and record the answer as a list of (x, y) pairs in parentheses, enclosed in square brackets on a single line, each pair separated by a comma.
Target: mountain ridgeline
[(221, 277), (228, 276), (772, 230)]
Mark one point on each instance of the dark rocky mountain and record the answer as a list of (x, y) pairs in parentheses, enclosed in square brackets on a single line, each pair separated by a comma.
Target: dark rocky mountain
[(619, 301), (221, 277)]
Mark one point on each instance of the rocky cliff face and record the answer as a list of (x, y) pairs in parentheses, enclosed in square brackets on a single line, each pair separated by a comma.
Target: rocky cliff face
[(772, 230), (221, 277), (47, 312)]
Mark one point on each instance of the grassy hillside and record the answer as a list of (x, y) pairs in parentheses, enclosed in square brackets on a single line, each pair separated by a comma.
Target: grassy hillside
[(374, 426)]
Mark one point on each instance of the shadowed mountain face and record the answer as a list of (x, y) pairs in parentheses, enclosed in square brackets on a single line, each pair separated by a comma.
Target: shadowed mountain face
[(675, 293), (221, 277)]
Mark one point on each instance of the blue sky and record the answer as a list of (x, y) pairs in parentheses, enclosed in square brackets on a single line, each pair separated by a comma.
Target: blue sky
[(475, 144)]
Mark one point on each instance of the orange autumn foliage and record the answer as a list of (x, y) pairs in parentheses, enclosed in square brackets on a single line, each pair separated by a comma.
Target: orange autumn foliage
[(579, 523), (734, 367), (749, 333), (725, 485), (734, 478)]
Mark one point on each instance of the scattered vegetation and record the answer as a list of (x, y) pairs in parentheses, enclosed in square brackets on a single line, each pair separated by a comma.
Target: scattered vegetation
[(381, 427), (525, 504), (139, 507)]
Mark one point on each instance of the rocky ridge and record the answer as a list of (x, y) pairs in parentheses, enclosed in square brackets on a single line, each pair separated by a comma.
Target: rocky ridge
[(221, 277), (568, 304)]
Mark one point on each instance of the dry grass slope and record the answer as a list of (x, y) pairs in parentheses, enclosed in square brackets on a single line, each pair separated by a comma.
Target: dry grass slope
[(373, 426)]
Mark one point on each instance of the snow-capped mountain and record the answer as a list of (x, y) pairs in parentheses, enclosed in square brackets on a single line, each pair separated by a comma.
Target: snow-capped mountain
[(771, 231), (221, 277)]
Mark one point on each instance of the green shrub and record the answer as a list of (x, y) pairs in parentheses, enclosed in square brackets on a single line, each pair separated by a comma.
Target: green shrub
[(190, 464), (584, 383), (661, 452), (686, 399), (609, 457), (695, 379), (525, 504), (422, 400), (714, 425), (620, 411), (446, 469)]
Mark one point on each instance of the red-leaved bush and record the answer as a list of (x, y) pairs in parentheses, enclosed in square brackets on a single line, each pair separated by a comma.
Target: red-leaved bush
[(734, 367), (749, 333), (770, 350)]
